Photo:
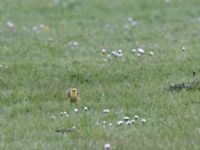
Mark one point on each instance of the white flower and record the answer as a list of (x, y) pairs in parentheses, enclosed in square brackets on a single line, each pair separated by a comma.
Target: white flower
[(106, 111), (183, 48), (140, 50), (73, 43), (85, 109), (109, 56), (120, 122), (117, 54), (107, 146), (126, 118), (110, 124), (114, 53), (134, 50), (136, 117), (10, 26), (119, 51), (65, 114), (132, 121), (53, 117), (103, 51), (143, 120), (76, 110), (151, 53)]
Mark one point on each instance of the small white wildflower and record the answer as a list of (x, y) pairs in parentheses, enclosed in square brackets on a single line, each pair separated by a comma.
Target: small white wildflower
[(183, 48), (132, 121), (65, 114), (151, 53), (109, 57), (119, 51), (10, 26), (103, 51), (73, 43), (120, 122), (110, 124), (138, 54), (114, 53), (140, 50), (107, 146), (143, 120), (104, 122), (106, 111), (126, 118), (117, 54), (53, 117), (1, 66), (136, 117), (85, 109), (134, 50), (76, 110), (73, 127)]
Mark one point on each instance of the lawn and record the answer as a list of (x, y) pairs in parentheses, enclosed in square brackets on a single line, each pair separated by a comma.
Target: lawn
[(49, 46)]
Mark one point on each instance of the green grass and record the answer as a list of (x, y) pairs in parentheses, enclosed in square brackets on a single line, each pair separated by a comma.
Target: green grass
[(32, 87)]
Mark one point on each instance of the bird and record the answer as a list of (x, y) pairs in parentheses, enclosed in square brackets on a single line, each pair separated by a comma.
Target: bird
[(72, 95)]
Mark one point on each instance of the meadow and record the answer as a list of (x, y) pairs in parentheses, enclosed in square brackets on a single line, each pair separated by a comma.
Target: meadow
[(49, 46)]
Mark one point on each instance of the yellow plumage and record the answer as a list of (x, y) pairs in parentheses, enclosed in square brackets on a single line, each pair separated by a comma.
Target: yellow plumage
[(73, 95)]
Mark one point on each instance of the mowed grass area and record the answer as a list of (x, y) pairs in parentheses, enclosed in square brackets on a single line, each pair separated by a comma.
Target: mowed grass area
[(35, 74)]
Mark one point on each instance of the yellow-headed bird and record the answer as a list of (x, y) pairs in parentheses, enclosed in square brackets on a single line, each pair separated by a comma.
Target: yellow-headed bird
[(73, 95)]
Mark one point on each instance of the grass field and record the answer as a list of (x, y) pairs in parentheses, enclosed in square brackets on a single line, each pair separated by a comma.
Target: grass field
[(57, 44)]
